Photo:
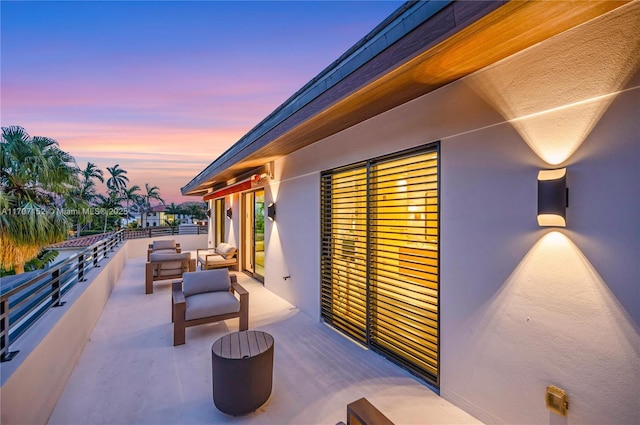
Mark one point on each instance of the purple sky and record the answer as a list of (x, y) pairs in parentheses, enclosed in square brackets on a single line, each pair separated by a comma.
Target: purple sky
[(163, 88)]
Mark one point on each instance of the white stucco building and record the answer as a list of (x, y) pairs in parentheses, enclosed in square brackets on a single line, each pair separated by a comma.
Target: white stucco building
[(404, 180)]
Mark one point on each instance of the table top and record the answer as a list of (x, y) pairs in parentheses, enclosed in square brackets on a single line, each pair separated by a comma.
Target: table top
[(242, 345)]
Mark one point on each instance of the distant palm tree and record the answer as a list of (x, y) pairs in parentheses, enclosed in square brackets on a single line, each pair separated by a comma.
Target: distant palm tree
[(91, 172), (34, 174), (108, 203), (197, 210), (118, 180), (86, 193), (130, 195), (144, 204), (173, 210)]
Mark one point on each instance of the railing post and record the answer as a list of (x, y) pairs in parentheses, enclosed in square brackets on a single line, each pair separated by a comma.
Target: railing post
[(56, 296), (95, 256), (106, 247), (4, 327), (5, 354), (81, 268)]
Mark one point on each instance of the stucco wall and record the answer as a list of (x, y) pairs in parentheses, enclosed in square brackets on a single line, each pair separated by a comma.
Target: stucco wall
[(35, 373), (522, 307), (35, 378)]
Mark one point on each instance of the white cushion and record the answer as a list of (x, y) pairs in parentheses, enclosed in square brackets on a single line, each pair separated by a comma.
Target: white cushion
[(218, 260), (208, 254), (210, 304), (201, 282), (226, 250)]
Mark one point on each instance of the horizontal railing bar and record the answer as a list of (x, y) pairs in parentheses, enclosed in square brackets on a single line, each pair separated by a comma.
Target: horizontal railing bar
[(26, 302)]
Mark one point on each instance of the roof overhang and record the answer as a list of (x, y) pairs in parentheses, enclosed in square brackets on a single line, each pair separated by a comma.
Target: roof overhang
[(457, 39)]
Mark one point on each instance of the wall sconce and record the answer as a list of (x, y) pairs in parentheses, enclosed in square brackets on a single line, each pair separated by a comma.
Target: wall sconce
[(271, 211), (553, 197), (229, 213)]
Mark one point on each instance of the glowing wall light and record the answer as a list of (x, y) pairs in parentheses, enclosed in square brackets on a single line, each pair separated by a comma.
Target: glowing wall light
[(229, 213), (553, 197), (271, 211)]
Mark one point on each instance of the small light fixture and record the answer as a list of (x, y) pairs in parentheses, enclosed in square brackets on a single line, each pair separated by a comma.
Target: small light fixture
[(553, 197), (271, 211), (229, 213), (556, 400)]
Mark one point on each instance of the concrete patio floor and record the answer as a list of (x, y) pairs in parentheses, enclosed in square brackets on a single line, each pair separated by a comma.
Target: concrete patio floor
[(130, 372)]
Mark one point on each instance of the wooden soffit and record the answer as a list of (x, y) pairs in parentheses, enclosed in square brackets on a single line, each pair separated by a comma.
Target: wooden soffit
[(379, 86)]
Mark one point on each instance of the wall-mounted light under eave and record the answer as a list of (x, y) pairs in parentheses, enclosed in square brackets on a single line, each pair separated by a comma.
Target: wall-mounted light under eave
[(553, 197), (229, 213), (271, 211)]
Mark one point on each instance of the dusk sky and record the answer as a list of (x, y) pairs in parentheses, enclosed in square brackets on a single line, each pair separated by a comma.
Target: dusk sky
[(163, 88)]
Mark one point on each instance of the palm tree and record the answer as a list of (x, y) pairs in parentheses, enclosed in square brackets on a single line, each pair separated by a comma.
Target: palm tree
[(92, 172), (151, 192), (130, 195), (118, 180), (34, 174), (172, 210), (108, 203), (197, 210), (86, 193)]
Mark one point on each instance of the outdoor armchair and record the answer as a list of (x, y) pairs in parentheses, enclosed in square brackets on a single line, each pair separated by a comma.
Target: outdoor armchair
[(205, 297), (164, 246), (223, 256), (163, 266)]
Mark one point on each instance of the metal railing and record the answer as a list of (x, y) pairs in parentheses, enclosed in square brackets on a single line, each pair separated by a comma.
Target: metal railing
[(153, 231), (23, 303)]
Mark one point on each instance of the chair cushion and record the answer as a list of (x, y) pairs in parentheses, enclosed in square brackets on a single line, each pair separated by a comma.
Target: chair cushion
[(210, 253), (164, 244), (210, 304), (218, 261), (226, 250), (173, 256), (169, 268), (201, 282), (163, 251)]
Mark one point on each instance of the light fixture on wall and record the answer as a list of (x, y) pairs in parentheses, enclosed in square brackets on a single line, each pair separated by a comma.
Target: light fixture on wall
[(209, 213), (229, 213), (271, 211), (553, 197)]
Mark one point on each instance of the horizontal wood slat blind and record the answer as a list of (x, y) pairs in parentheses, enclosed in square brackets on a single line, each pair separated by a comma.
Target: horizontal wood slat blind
[(380, 265), (403, 279), (344, 300)]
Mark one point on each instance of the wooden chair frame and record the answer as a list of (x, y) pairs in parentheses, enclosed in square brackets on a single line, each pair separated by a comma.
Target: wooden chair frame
[(178, 310), (188, 265), (206, 265)]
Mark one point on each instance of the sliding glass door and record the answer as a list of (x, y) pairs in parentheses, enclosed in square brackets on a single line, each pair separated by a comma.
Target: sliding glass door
[(253, 234), (380, 256)]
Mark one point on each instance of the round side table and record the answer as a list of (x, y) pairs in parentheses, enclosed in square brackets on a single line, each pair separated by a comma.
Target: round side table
[(242, 371)]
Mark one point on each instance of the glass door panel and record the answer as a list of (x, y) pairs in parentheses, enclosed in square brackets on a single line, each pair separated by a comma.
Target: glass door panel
[(253, 234), (258, 235)]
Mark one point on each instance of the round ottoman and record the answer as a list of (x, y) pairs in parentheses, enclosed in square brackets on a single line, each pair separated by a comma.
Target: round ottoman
[(242, 368)]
